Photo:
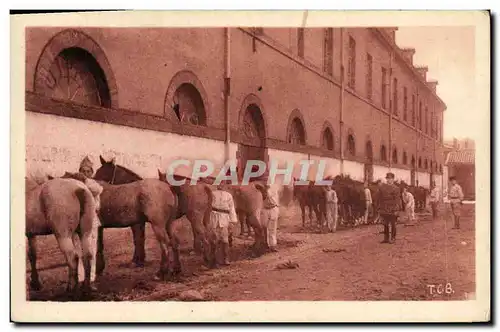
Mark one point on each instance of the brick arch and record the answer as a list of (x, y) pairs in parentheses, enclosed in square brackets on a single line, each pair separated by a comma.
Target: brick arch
[(73, 38), (294, 116), (180, 78), (250, 100), (327, 127)]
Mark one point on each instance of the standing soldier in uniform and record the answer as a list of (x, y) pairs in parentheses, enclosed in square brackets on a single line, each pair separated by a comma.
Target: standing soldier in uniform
[(434, 200), (222, 216), (270, 214), (456, 196), (368, 202), (331, 209), (409, 202), (389, 204)]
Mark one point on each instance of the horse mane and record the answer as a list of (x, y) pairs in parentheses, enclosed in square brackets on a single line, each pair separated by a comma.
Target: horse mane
[(130, 172)]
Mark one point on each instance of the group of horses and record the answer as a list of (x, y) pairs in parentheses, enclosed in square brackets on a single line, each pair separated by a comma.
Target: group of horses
[(64, 207)]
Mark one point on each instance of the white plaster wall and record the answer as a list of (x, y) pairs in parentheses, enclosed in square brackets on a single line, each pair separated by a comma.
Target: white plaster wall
[(57, 144), (402, 174), (379, 172), (355, 170), (423, 179)]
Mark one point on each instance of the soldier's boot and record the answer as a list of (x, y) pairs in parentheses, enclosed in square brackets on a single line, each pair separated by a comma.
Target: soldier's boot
[(225, 254), (457, 222)]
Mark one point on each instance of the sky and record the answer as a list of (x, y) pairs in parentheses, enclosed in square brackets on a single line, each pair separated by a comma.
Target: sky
[(449, 52)]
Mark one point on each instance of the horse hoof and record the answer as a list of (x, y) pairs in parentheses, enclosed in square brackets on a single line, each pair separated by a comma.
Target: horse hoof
[(35, 285), (139, 264)]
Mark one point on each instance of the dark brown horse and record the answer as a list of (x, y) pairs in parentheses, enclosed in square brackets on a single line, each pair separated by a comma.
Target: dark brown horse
[(112, 174), (311, 196)]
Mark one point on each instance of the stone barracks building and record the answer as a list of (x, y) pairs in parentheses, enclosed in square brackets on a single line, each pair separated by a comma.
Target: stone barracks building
[(148, 96)]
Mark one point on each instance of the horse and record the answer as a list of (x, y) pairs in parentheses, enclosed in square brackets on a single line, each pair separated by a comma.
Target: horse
[(66, 209), (113, 174), (311, 196), (248, 202), (195, 202), (148, 200)]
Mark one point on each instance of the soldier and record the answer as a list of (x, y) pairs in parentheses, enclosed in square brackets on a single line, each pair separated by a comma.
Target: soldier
[(87, 171), (456, 197), (434, 200), (222, 217), (409, 202), (331, 209), (389, 203), (368, 202), (269, 215)]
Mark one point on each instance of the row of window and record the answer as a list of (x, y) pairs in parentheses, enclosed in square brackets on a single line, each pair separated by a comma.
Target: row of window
[(428, 123), (422, 163)]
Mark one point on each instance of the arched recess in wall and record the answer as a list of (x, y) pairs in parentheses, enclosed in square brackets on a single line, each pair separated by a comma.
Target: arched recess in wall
[(426, 165), (351, 143), (405, 158), (251, 120), (369, 150), (74, 68), (296, 133), (419, 162), (327, 137), (394, 155), (383, 152), (412, 161), (186, 100)]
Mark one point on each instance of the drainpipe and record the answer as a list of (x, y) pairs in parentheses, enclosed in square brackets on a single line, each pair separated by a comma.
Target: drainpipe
[(342, 88), (417, 132), (391, 105), (227, 85)]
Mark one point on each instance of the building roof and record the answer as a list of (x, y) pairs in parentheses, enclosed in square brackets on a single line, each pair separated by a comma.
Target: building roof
[(460, 157)]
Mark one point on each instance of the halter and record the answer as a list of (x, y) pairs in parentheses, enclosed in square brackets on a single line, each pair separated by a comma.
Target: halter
[(114, 174)]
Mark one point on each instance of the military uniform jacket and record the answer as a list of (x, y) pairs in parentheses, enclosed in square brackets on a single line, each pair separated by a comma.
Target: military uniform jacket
[(389, 199)]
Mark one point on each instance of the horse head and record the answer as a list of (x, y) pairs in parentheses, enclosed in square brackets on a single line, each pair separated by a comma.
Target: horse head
[(114, 174)]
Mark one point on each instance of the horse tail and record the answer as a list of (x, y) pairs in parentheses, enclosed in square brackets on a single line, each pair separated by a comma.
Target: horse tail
[(87, 210)]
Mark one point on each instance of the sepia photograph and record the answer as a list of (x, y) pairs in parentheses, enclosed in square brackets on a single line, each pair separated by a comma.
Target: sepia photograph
[(304, 159)]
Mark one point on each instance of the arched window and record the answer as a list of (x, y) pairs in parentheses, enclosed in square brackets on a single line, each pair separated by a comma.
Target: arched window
[(405, 158), (297, 133), (425, 164), (189, 107), (383, 153), (369, 151), (327, 139), (75, 76), (419, 162), (413, 161), (395, 156), (351, 145)]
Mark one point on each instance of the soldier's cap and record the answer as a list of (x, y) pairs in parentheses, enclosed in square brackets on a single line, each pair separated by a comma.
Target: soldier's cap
[(389, 175)]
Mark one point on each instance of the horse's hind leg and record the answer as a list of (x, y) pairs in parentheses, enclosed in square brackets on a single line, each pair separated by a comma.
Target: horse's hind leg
[(160, 232), (139, 235), (175, 243), (303, 211), (260, 241), (68, 249), (35, 281)]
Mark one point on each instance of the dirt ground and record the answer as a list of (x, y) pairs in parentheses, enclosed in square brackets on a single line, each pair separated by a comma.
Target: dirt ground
[(351, 264)]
